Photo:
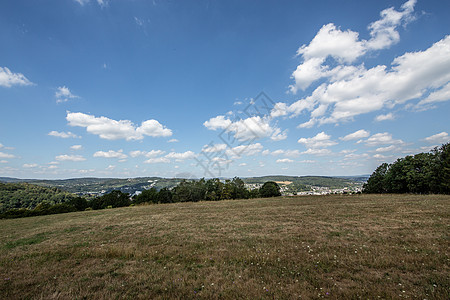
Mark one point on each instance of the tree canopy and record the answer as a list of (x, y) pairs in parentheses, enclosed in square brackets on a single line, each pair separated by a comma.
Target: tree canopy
[(422, 173)]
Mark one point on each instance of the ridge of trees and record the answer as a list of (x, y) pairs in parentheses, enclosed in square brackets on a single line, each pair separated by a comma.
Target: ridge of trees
[(186, 191), (423, 173)]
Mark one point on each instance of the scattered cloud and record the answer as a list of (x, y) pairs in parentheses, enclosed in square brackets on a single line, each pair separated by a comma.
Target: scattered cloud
[(76, 147), (29, 166), (211, 148), (250, 128), (66, 157), (63, 94), (284, 160), (356, 135), (382, 139), (111, 129), (439, 138), (172, 141), (321, 140), (63, 134), (319, 152), (219, 122), (111, 154), (157, 160), (440, 95), (8, 78), (244, 150), (385, 117), (6, 155), (348, 89), (181, 156)]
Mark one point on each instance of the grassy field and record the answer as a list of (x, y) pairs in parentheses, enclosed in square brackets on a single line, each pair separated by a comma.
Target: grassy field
[(337, 247)]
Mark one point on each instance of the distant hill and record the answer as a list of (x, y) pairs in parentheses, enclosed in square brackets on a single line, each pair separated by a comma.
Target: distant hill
[(25, 195), (95, 186)]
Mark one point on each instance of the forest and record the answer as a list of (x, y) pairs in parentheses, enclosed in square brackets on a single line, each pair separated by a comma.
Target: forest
[(25, 200), (423, 173)]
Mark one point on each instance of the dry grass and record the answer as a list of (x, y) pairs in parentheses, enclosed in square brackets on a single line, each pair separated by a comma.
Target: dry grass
[(338, 247)]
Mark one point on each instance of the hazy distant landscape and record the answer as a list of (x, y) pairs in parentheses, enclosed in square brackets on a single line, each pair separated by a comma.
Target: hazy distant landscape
[(224, 149)]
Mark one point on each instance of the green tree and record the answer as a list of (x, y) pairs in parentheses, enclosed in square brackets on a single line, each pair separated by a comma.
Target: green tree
[(376, 182), (270, 189)]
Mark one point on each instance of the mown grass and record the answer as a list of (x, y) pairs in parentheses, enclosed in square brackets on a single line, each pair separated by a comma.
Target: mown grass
[(337, 247)]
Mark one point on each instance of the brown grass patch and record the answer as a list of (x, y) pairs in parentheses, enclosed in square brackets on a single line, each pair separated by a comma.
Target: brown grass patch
[(339, 247)]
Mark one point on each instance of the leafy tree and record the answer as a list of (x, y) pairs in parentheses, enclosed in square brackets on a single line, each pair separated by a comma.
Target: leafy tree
[(270, 189), (150, 196), (164, 196), (376, 182)]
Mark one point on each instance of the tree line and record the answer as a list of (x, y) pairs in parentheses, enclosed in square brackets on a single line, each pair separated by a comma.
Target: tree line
[(186, 191), (423, 173)]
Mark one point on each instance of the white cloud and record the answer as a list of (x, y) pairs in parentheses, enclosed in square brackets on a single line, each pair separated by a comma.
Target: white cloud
[(244, 150), (345, 47), (63, 134), (382, 139), (214, 148), (3, 161), (172, 141), (110, 167), (439, 138), (383, 32), (321, 140), (386, 149), (110, 129), (157, 160), (284, 160), (29, 166), (318, 152), (82, 2), (385, 117), (111, 154), (251, 128), (63, 94), (242, 164), (440, 95), (8, 78), (6, 155), (181, 156), (219, 122), (66, 157), (347, 91), (76, 147), (356, 135)]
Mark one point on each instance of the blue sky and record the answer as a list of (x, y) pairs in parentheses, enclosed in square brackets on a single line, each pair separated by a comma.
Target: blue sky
[(220, 88)]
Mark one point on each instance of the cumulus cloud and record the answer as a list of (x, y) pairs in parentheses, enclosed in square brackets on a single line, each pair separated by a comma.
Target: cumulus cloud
[(349, 89), (382, 139), (6, 155), (181, 156), (440, 95), (29, 166), (219, 122), (356, 135), (344, 46), (66, 157), (149, 154), (8, 78), (385, 117), (439, 138), (321, 140), (111, 154), (211, 148), (284, 160), (172, 141), (157, 160), (62, 134), (251, 128), (111, 129), (244, 150), (63, 94), (76, 147)]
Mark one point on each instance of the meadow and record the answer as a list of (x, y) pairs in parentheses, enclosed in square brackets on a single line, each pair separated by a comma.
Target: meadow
[(336, 247)]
